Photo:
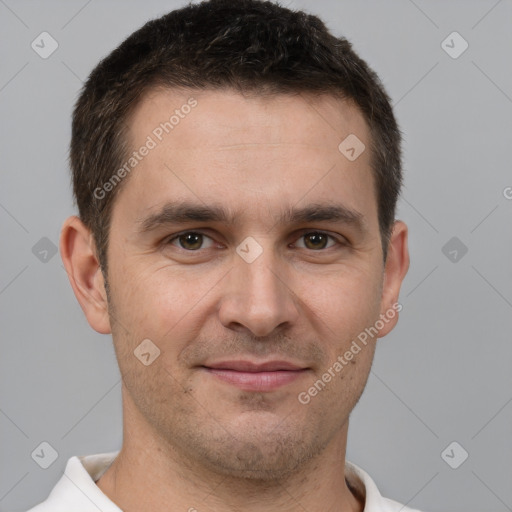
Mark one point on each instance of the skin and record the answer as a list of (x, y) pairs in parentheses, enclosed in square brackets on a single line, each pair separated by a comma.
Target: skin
[(191, 440)]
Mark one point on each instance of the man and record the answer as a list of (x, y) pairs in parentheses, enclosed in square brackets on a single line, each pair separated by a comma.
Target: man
[(236, 169)]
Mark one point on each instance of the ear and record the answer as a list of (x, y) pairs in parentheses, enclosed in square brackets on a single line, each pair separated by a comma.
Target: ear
[(78, 252), (395, 269)]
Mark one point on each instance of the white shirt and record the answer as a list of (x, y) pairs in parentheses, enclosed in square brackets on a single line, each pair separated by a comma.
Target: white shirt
[(76, 491)]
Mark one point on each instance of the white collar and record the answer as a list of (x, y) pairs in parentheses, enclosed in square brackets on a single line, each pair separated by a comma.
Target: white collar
[(76, 491)]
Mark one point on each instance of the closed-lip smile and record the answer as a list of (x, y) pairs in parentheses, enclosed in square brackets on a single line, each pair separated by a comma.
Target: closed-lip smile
[(256, 376)]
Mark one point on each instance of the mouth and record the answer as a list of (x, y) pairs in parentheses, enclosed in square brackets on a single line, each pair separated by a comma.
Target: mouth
[(257, 377)]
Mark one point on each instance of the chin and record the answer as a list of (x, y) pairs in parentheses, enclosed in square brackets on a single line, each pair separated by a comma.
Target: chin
[(265, 457)]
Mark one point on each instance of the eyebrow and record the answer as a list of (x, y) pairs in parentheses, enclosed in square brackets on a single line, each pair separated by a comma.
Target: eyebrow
[(182, 212)]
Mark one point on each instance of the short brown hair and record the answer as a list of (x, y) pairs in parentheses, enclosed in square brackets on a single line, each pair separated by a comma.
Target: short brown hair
[(247, 45)]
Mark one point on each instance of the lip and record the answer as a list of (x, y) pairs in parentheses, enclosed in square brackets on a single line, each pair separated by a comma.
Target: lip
[(254, 367), (253, 376)]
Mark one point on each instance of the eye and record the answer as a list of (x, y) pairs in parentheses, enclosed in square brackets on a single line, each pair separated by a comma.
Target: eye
[(190, 241), (316, 240)]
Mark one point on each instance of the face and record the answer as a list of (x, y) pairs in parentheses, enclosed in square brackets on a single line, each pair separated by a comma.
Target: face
[(245, 245)]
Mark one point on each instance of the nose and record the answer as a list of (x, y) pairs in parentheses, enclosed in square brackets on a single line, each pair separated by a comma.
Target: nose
[(258, 297)]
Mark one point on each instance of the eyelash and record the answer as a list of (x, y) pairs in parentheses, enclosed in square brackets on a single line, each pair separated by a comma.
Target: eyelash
[(168, 241)]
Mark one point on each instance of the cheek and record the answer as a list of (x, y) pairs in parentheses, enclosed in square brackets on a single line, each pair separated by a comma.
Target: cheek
[(345, 300), (341, 311), (151, 298), (147, 306), (160, 304)]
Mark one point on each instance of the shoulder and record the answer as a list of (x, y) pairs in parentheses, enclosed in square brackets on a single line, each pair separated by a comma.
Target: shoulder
[(363, 485), (76, 491)]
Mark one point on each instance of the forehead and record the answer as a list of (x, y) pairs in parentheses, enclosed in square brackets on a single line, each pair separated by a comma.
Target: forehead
[(246, 117), (254, 153)]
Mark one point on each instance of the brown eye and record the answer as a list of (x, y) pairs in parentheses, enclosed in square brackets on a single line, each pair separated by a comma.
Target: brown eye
[(316, 240), (190, 241)]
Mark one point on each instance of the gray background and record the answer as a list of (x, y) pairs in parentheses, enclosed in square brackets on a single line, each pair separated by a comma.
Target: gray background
[(443, 375)]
